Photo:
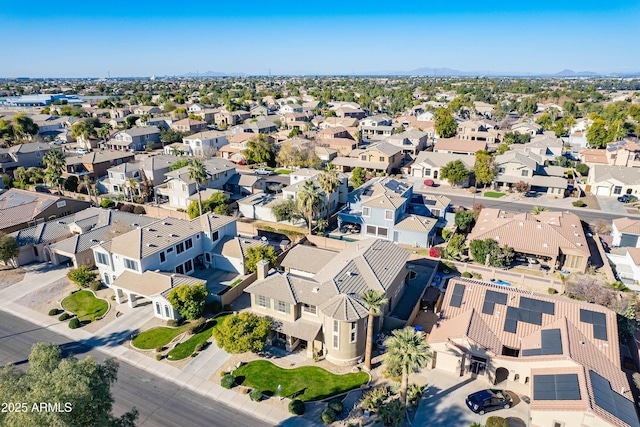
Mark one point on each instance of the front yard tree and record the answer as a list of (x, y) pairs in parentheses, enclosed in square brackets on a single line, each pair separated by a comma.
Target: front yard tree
[(85, 385), (407, 351), (445, 124), (259, 150), (484, 167), (243, 332), (82, 276), (374, 301), (597, 135), (521, 187), (259, 253), (189, 300), (309, 199), (9, 249), (358, 177), (455, 172)]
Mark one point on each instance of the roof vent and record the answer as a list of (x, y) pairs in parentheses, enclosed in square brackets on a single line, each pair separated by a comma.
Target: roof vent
[(166, 223), (151, 245), (315, 290), (578, 244), (174, 235), (152, 229), (136, 224), (573, 225), (576, 234), (521, 224), (95, 241), (540, 226), (545, 245)]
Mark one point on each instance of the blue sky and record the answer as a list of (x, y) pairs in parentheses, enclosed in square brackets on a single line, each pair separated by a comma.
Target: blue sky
[(128, 38)]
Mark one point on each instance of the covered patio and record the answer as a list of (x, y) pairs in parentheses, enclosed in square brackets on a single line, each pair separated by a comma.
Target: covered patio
[(301, 333)]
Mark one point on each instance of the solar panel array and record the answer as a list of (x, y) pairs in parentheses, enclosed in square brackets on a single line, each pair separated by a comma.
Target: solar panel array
[(551, 343), (556, 387), (491, 298), (612, 402), (456, 298), (529, 311), (598, 320)]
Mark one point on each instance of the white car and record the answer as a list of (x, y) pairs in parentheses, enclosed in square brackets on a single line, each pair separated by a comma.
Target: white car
[(263, 171), (81, 151)]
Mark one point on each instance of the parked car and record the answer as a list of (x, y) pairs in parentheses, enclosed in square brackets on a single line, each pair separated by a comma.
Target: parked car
[(532, 260), (628, 198), (81, 151), (531, 194), (488, 400), (263, 171)]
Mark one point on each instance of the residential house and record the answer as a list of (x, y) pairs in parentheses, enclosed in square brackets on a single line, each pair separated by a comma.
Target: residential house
[(335, 122), (150, 110), (178, 187), (377, 127), (330, 133), (547, 148), (290, 108), (24, 155), (459, 146), (95, 164), (386, 208), (237, 144), (189, 125), (381, 157), (410, 141), (479, 130), (153, 168), (613, 181), (555, 239), (428, 164), (624, 153), (516, 166), (255, 127), (119, 113), (226, 118), (626, 261), (205, 144), (525, 128), (564, 350), (316, 304), (483, 108), (244, 184), (259, 110), (349, 112), (301, 176), (134, 139), (21, 209), (298, 121), (593, 156), (625, 232)]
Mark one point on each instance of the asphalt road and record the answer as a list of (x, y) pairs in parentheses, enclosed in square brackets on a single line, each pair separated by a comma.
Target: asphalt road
[(159, 402), (467, 201)]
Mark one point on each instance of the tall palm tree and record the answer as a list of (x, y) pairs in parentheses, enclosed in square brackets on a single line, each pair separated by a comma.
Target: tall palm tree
[(309, 199), (55, 163), (198, 172), (329, 182), (407, 349), (103, 132), (374, 301), (132, 184)]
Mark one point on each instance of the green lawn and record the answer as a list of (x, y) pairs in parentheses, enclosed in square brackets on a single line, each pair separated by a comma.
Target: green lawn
[(493, 194), (157, 337), (185, 349), (305, 383), (283, 172), (235, 282), (85, 305)]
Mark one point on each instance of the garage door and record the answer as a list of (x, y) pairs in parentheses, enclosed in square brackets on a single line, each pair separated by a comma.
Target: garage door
[(417, 172), (628, 240), (602, 191)]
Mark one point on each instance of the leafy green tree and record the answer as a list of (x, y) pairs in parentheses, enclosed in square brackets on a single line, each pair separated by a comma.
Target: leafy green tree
[(259, 150), (484, 167), (180, 163), (82, 276), (23, 126), (358, 177), (294, 132), (104, 131), (464, 220), (240, 333), (570, 108), (516, 138), (597, 135), (582, 169), (217, 203), (6, 130), (545, 121), (480, 249), (561, 161), (445, 125), (528, 107), (309, 200), (286, 210), (259, 253), (84, 385), (408, 350), (374, 301), (455, 172), (9, 249), (189, 300), (71, 183), (454, 247), (198, 173), (329, 183), (169, 136)]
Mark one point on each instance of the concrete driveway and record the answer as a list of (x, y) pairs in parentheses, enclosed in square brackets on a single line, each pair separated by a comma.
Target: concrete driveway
[(443, 403), (611, 205)]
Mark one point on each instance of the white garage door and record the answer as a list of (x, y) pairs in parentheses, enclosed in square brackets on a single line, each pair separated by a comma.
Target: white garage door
[(602, 191), (417, 172)]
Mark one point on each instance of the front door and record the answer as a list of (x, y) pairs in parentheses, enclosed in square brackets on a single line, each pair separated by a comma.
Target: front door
[(478, 365)]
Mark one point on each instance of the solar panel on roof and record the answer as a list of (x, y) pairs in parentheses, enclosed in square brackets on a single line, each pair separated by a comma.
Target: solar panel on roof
[(612, 402), (456, 298), (491, 298), (550, 343), (556, 387), (598, 320)]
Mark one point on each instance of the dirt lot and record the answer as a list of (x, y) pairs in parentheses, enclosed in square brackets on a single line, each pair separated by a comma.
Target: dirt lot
[(10, 276)]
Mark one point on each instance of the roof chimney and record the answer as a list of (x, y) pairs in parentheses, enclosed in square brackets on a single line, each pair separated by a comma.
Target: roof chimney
[(262, 268)]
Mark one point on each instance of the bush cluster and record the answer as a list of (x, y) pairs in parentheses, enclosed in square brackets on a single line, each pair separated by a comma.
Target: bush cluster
[(466, 274), (172, 323), (139, 210), (255, 395), (53, 312), (296, 407), (74, 323), (328, 416), (64, 316), (199, 348), (227, 381), (335, 405), (95, 285)]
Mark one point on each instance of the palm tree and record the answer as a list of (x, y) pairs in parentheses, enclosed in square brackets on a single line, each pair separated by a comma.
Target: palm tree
[(537, 209), (329, 182), (309, 199), (55, 163), (198, 173), (103, 132), (374, 301), (132, 184), (407, 350)]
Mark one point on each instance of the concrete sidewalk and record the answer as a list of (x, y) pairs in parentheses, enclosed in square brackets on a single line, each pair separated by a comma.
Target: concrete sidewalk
[(110, 338)]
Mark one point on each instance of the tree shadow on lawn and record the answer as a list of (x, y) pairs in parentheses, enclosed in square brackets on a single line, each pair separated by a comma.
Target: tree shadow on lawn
[(114, 339)]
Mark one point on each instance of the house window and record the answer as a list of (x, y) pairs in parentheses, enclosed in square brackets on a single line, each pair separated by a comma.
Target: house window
[(427, 172), (354, 332), (381, 159), (525, 172), (366, 211), (207, 257), (383, 232), (188, 266), (435, 212), (166, 310), (179, 248), (188, 243), (336, 341), (388, 214), (169, 250), (158, 310), (617, 190), (311, 309), (281, 306), (131, 264), (180, 269), (371, 230), (215, 236), (197, 237), (262, 301), (184, 187), (500, 170), (163, 257), (364, 158), (336, 334), (102, 258)]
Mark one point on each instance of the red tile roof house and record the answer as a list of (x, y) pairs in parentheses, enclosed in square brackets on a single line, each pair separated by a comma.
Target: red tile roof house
[(565, 350)]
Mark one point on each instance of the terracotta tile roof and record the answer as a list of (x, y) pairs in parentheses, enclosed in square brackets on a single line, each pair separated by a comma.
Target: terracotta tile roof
[(635, 254), (627, 225), (456, 144)]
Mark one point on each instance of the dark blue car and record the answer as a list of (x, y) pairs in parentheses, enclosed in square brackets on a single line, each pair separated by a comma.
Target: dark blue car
[(488, 400)]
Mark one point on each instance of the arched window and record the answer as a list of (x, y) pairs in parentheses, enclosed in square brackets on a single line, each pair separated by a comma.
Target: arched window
[(106, 278), (158, 309), (166, 310)]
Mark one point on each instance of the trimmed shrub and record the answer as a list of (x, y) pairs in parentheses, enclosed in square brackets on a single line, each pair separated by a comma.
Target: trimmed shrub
[(172, 323), (296, 407), (107, 203), (199, 348), (74, 323), (64, 316), (127, 208), (113, 297), (466, 274), (139, 210), (335, 405), (328, 416), (53, 312), (552, 291), (255, 395), (495, 421), (227, 381), (159, 349), (158, 357), (95, 285), (223, 373), (196, 326), (578, 203)]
